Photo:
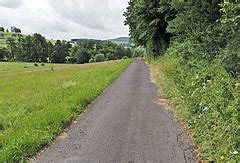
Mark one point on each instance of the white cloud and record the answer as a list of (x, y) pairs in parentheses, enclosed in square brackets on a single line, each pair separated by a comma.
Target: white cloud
[(66, 19), (10, 3)]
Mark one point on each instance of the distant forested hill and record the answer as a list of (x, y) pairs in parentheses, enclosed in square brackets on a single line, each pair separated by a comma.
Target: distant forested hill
[(121, 39), (79, 40), (116, 40)]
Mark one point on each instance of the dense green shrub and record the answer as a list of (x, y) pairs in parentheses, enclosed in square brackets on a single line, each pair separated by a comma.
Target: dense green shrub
[(99, 58), (110, 56), (3, 53), (207, 100), (72, 60), (83, 56), (91, 60), (138, 52), (124, 57)]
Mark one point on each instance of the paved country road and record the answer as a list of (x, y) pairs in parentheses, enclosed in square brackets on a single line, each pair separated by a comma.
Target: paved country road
[(124, 125)]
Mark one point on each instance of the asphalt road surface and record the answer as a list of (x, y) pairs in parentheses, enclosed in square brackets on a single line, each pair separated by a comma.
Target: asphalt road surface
[(123, 125)]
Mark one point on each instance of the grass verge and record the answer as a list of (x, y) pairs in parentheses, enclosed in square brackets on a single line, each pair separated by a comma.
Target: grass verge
[(38, 102), (206, 99)]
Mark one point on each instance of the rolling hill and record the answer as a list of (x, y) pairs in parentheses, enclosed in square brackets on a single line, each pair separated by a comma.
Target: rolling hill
[(123, 40), (120, 40)]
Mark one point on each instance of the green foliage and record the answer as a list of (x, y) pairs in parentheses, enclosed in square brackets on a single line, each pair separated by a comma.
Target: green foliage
[(36, 48), (45, 102), (207, 100), (82, 55), (60, 52), (148, 22), (3, 53), (72, 60), (91, 60), (138, 52), (89, 49), (124, 57), (230, 31), (39, 48), (110, 56), (99, 58), (12, 47), (200, 69), (2, 29), (15, 30)]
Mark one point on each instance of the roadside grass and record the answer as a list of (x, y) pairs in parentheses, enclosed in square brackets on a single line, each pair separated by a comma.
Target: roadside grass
[(9, 66), (208, 107), (35, 106)]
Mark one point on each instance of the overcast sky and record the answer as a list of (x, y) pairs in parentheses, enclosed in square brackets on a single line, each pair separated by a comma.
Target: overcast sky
[(66, 19)]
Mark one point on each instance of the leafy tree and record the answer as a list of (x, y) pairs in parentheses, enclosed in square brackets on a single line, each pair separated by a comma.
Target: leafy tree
[(15, 30), (2, 29), (88, 49), (60, 52), (25, 46), (39, 49), (88, 44), (83, 56), (3, 53), (12, 47), (148, 21)]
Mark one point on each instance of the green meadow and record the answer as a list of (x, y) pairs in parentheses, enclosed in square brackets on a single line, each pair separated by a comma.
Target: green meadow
[(37, 102)]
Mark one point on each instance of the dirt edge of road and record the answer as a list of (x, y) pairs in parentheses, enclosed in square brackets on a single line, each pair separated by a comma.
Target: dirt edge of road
[(166, 103)]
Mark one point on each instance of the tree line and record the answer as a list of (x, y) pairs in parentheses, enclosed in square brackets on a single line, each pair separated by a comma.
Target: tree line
[(213, 25), (36, 48), (12, 29), (96, 51)]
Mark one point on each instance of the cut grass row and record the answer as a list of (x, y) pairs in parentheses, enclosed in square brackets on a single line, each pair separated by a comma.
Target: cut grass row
[(37, 105)]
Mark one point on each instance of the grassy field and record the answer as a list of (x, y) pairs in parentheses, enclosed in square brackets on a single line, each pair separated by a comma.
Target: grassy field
[(9, 66), (36, 103)]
